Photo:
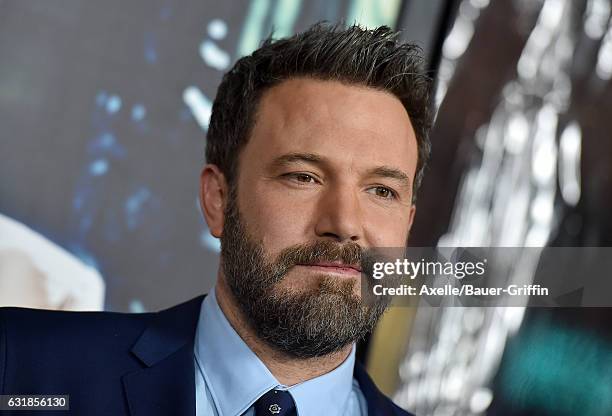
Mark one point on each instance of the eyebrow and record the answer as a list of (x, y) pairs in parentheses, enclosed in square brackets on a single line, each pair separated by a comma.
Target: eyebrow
[(289, 158), (391, 173), (381, 171)]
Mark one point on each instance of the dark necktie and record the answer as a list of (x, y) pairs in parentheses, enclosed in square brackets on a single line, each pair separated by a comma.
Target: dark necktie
[(275, 403)]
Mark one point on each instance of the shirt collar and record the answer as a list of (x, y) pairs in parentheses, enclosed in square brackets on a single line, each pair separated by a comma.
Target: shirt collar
[(328, 393), (236, 377)]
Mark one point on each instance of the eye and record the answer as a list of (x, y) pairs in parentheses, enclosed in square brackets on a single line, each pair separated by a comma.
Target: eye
[(383, 192), (301, 177)]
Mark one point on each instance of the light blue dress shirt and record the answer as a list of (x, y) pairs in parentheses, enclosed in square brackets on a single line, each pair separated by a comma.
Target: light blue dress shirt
[(230, 377)]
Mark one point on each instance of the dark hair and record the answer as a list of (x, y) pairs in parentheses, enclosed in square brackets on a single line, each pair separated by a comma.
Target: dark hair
[(352, 55)]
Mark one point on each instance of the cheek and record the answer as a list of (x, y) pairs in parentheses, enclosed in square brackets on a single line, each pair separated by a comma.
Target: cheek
[(388, 229), (274, 219)]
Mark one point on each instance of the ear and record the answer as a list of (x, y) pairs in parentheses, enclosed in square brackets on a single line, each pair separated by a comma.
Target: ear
[(213, 198), (411, 217)]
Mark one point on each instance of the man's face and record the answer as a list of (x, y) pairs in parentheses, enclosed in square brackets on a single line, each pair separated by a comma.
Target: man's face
[(326, 173)]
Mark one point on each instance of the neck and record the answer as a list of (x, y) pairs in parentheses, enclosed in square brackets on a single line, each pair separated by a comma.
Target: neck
[(286, 369)]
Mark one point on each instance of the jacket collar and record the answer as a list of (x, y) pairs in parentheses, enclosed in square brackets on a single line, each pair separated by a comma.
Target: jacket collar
[(166, 384)]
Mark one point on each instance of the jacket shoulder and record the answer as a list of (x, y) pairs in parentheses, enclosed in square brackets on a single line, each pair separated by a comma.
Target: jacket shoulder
[(54, 328), (89, 355), (41, 348), (85, 337)]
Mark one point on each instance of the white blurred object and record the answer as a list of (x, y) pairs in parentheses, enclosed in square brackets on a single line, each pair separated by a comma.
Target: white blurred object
[(36, 273)]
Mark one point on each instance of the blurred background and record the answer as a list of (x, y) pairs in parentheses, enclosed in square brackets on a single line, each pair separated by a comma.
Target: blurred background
[(104, 108)]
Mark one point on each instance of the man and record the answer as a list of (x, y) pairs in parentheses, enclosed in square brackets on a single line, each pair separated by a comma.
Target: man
[(316, 147)]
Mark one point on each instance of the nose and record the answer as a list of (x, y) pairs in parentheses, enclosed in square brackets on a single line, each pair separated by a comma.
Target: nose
[(339, 215)]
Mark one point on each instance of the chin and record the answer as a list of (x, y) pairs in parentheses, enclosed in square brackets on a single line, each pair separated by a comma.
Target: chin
[(320, 282)]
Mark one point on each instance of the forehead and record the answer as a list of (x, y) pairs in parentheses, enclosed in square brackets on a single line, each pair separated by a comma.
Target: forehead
[(342, 121)]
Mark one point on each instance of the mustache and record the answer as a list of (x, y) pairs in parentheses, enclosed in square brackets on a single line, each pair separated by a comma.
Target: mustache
[(325, 251), (321, 251)]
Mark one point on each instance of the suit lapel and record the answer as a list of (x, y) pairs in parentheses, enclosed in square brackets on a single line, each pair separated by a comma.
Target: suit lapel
[(166, 384)]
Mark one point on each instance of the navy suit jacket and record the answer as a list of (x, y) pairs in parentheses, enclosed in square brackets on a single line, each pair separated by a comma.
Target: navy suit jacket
[(116, 364)]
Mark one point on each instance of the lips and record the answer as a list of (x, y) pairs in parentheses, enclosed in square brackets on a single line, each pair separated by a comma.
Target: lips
[(335, 265)]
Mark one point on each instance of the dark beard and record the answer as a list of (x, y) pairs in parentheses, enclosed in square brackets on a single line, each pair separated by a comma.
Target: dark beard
[(313, 323)]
